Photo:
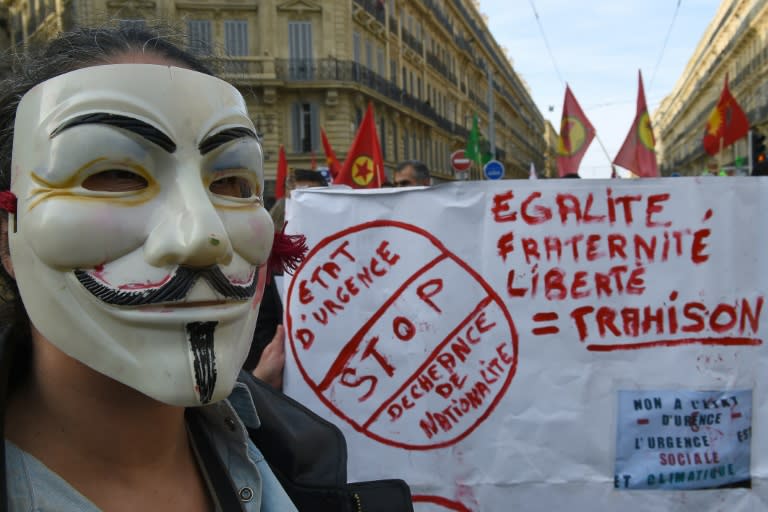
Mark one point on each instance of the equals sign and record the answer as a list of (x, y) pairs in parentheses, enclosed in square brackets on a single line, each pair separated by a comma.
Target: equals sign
[(642, 421), (543, 318)]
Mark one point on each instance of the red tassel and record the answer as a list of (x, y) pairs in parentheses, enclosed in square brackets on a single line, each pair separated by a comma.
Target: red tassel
[(8, 201), (288, 252)]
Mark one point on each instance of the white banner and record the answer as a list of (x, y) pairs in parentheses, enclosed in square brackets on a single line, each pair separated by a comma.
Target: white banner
[(540, 346)]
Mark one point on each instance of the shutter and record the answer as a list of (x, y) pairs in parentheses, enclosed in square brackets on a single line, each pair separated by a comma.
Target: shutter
[(236, 38), (296, 127), (300, 50), (380, 61), (395, 141), (315, 124), (383, 138), (199, 39)]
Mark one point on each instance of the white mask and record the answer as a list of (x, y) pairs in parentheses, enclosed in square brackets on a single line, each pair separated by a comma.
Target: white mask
[(117, 215)]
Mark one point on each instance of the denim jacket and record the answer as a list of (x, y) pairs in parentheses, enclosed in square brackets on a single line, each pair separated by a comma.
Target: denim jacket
[(32, 487)]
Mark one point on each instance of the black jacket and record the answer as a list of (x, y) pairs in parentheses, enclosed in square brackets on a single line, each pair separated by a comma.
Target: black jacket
[(309, 457)]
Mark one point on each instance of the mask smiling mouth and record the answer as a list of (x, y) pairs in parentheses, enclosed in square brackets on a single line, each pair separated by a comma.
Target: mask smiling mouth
[(171, 291)]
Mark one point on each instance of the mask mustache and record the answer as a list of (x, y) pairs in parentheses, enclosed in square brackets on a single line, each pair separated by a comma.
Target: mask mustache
[(174, 290)]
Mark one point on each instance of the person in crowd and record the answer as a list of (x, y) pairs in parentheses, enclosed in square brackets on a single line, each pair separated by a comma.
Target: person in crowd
[(134, 248), (411, 173), (305, 178)]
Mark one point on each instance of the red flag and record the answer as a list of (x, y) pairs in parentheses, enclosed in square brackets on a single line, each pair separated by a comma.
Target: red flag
[(330, 156), (282, 173), (638, 153), (727, 123), (364, 166), (576, 134)]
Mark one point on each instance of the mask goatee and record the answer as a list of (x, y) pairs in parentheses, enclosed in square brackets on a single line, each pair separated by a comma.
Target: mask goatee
[(200, 338)]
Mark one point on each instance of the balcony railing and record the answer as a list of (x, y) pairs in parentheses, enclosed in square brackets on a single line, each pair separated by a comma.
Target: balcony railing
[(374, 7), (238, 69), (393, 25), (411, 41), (435, 62), (302, 70), (439, 15)]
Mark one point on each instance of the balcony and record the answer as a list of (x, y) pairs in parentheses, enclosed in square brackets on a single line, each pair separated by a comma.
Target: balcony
[(439, 15), (411, 41), (373, 7), (435, 62), (247, 69), (335, 70)]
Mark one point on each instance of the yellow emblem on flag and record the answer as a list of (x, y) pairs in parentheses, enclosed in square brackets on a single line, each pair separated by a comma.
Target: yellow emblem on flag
[(645, 132), (363, 171), (572, 136)]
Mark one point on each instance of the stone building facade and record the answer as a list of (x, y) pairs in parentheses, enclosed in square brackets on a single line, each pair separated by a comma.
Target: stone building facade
[(735, 44), (427, 67)]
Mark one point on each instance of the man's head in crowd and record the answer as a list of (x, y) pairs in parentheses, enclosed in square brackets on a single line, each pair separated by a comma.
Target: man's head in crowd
[(305, 178), (411, 173)]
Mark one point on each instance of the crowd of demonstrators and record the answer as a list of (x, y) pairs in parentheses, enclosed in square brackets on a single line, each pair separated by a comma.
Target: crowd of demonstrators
[(131, 182)]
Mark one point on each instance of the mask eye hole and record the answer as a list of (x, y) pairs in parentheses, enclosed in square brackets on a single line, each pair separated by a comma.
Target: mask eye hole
[(115, 180), (232, 186)]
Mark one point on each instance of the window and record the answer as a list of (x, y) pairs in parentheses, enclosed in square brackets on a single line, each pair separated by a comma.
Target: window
[(18, 29), (305, 128), (394, 141), (393, 71), (236, 37), (369, 54), (383, 138), (300, 50), (406, 153), (32, 22), (236, 44), (199, 39), (356, 53), (380, 66), (133, 24)]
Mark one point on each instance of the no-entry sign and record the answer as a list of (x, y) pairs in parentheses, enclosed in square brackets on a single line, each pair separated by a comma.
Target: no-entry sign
[(460, 162)]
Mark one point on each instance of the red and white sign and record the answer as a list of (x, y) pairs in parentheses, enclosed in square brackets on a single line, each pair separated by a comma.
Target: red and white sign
[(460, 162)]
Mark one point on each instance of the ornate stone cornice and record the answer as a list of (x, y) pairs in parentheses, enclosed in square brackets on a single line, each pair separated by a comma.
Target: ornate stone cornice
[(299, 6)]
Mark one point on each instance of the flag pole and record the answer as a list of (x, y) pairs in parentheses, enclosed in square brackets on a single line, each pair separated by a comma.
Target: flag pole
[(605, 151), (720, 156)]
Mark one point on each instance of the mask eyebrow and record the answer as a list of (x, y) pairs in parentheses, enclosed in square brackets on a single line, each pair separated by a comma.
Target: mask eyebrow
[(140, 128), (214, 141)]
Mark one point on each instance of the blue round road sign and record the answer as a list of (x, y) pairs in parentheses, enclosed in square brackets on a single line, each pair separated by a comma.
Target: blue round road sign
[(493, 170)]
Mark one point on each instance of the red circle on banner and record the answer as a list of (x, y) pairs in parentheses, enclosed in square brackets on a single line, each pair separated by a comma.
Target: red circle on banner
[(378, 334), (444, 504)]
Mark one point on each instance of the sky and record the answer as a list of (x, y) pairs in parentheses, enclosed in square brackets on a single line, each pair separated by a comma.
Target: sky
[(598, 47)]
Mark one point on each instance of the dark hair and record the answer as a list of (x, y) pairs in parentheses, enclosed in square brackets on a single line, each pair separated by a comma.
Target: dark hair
[(67, 52), (420, 169), (309, 175), (571, 175)]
